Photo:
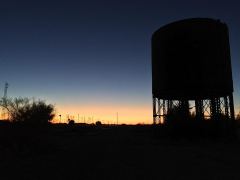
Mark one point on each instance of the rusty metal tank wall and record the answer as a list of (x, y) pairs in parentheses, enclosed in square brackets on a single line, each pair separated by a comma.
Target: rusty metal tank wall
[(191, 59)]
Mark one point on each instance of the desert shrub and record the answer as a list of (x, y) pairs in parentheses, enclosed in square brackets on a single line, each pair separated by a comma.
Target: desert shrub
[(28, 111), (98, 123), (177, 115), (71, 122)]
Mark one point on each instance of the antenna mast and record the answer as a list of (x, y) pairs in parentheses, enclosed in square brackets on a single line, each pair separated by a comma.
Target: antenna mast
[(5, 101), (5, 91)]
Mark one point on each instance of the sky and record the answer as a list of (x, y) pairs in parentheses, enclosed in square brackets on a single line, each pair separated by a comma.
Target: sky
[(92, 59)]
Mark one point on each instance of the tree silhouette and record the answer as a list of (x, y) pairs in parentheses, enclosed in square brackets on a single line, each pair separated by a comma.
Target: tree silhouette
[(28, 111), (178, 114)]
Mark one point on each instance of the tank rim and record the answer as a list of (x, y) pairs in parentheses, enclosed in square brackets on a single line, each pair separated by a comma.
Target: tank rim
[(188, 20)]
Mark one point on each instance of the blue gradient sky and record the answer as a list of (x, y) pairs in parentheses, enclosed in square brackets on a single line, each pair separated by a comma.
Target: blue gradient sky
[(93, 57)]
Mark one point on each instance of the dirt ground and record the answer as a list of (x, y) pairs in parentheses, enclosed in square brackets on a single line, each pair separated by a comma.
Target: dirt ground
[(126, 152)]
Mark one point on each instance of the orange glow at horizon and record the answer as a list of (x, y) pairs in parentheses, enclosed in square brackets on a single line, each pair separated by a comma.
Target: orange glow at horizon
[(105, 114)]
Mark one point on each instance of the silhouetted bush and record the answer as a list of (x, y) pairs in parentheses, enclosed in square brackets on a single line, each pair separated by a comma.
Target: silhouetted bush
[(71, 122), (180, 122), (28, 111), (177, 116), (98, 123)]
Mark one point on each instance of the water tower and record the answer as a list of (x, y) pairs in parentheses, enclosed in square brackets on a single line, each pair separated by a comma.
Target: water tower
[(191, 69)]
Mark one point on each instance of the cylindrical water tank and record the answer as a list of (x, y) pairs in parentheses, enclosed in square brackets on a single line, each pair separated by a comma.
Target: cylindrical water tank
[(191, 59)]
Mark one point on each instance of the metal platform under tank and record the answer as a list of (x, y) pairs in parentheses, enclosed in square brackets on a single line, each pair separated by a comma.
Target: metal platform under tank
[(212, 108)]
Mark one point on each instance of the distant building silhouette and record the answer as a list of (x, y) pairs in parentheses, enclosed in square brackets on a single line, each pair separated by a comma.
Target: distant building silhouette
[(191, 65)]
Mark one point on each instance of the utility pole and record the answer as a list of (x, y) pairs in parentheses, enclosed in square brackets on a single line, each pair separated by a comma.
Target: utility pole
[(60, 118), (5, 90), (117, 118)]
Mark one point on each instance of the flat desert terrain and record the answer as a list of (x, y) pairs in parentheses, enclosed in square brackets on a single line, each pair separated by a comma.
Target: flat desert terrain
[(116, 153)]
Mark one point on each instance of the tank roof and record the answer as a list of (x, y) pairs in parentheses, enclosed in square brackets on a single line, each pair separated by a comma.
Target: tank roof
[(189, 21)]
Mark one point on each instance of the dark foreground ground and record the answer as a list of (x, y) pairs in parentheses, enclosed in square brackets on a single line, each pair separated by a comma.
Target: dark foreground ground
[(127, 152)]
